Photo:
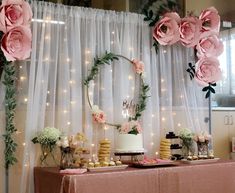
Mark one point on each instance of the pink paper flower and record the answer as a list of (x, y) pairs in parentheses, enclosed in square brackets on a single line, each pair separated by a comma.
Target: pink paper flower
[(210, 21), (99, 117), (209, 47), (16, 43), (166, 31), (138, 66), (14, 13), (190, 31), (207, 71)]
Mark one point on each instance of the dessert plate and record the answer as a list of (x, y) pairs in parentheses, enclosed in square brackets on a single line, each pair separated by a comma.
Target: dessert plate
[(108, 168), (200, 161), (159, 164)]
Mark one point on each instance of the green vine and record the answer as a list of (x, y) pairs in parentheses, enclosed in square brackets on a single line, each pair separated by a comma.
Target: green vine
[(106, 59), (9, 73)]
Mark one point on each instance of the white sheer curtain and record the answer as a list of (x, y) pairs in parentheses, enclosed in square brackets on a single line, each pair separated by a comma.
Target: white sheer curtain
[(51, 93)]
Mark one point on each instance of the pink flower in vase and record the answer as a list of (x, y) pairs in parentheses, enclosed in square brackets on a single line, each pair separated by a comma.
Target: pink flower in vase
[(201, 138), (16, 43), (195, 138), (138, 66), (166, 31), (125, 128), (210, 21), (210, 47), (190, 31), (207, 71), (14, 13)]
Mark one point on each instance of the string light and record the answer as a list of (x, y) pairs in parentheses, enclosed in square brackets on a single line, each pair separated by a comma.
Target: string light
[(88, 51), (46, 59), (68, 59), (152, 143), (47, 37), (90, 93), (65, 91), (72, 102), (179, 124), (152, 134), (164, 51), (92, 145), (65, 111), (153, 115), (181, 96), (162, 80), (130, 48), (68, 123), (24, 144), (47, 104), (112, 42), (163, 108), (25, 99), (86, 62), (163, 90), (113, 32), (174, 113), (130, 77), (111, 70), (128, 96), (163, 119), (133, 88), (71, 82), (48, 92), (72, 70), (25, 165), (102, 88), (22, 78), (21, 66)]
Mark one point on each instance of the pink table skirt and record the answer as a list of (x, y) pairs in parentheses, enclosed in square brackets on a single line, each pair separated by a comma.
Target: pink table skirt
[(216, 177)]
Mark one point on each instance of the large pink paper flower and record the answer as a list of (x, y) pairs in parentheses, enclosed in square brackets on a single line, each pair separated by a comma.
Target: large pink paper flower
[(207, 71), (166, 31), (210, 47), (138, 66), (16, 43), (14, 13), (190, 31), (210, 21)]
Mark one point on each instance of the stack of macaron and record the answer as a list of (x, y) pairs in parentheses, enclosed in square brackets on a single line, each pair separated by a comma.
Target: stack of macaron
[(104, 150), (165, 149)]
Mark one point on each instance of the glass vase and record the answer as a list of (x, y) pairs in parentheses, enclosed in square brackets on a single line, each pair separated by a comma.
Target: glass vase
[(187, 148), (47, 157), (203, 149), (67, 159)]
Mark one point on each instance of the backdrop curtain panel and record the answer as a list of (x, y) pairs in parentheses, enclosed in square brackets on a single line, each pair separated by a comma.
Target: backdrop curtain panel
[(50, 89)]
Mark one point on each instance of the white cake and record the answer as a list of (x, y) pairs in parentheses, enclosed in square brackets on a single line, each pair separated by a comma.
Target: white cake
[(129, 143)]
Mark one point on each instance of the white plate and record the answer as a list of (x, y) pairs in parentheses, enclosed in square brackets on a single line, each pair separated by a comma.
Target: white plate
[(200, 161), (108, 168)]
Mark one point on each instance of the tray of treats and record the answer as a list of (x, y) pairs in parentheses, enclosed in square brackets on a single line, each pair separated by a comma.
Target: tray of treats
[(200, 159), (107, 168), (153, 163)]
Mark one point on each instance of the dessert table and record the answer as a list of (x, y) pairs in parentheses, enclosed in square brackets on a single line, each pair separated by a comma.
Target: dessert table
[(218, 177)]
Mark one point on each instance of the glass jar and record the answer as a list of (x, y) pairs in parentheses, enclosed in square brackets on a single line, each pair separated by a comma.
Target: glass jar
[(67, 160), (47, 157)]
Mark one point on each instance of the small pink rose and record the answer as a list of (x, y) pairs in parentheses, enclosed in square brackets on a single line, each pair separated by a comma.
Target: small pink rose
[(190, 31), (14, 13), (166, 31), (208, 137), (138, 66), (16, 43), (195, 138), (210, 21), (207, 71), (209, 47), (99, 117)]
